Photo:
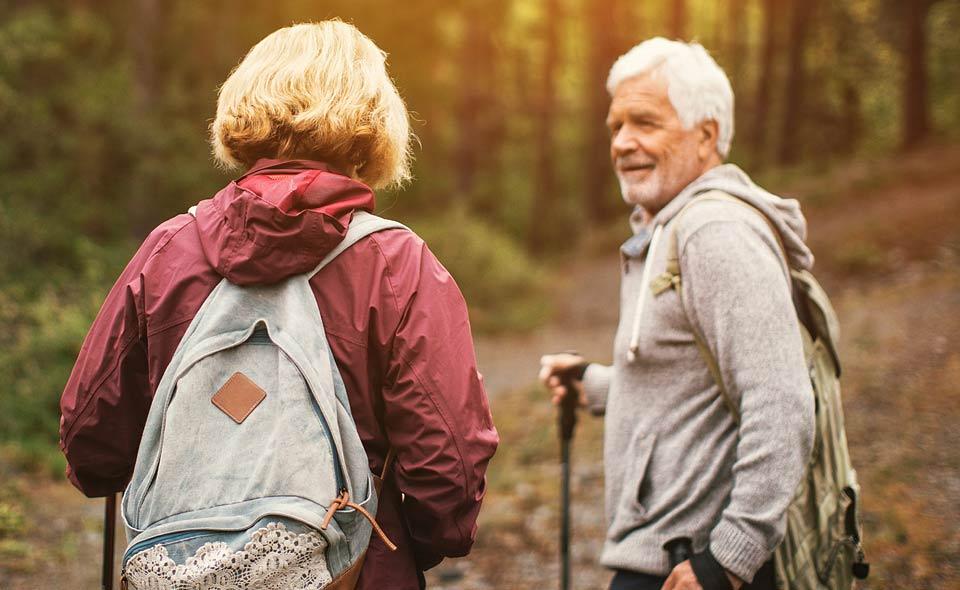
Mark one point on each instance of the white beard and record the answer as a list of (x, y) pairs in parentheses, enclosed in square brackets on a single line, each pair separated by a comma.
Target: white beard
[(646, 193), (660, 187)]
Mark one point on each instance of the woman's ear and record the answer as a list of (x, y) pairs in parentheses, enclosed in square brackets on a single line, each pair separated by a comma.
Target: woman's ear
[(709, 132)]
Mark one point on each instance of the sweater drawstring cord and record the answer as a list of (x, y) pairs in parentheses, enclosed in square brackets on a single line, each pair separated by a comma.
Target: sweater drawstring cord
[(642, 296)]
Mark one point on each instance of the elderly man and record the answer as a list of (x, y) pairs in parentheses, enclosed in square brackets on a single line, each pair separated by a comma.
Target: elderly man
[(678, 461)]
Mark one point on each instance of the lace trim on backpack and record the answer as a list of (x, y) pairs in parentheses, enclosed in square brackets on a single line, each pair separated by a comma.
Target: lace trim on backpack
[(274, 559)]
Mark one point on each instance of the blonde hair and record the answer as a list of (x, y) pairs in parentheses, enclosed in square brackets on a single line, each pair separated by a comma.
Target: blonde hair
[(315, 91)]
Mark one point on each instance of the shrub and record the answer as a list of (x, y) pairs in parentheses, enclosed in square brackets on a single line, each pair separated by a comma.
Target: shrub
[(503, 286)]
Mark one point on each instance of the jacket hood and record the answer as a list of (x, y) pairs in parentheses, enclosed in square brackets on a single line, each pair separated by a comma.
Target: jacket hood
[(278, 220), (784, 214)]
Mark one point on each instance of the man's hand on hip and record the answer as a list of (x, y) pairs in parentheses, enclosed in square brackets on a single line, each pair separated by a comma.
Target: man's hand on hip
[(683, 578)]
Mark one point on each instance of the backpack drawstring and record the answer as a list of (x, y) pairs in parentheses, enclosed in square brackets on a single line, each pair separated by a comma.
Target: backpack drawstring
[(342, 502)]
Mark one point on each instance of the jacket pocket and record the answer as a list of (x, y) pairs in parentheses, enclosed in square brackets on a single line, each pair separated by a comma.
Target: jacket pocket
[(631, 513)]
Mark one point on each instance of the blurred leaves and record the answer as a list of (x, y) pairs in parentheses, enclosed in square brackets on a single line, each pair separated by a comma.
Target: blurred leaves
[(104, 109), (61, 109), (503, 286)]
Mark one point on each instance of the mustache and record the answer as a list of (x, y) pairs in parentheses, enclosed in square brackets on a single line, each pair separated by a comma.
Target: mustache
[(626, 163)]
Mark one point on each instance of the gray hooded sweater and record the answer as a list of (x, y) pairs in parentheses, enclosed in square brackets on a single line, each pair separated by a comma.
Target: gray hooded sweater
[(676, 463)]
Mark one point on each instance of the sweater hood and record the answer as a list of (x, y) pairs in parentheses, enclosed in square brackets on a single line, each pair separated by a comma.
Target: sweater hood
[(784, 214), (278, 220)]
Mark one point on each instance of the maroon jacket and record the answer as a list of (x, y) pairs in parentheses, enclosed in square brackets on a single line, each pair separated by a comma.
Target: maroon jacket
[(395, 320)]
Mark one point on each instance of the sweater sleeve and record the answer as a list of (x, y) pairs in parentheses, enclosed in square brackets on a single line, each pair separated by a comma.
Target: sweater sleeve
[(596, 385), (436, 411), (738, 297)]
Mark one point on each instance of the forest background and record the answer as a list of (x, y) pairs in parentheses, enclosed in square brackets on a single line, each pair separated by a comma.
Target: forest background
[(104, 108)]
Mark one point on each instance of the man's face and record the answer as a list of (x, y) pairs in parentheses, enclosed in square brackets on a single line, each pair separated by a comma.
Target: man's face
[(653, 155)]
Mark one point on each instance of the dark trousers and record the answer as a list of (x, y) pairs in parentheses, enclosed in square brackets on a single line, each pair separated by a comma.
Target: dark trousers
[(627, 580)]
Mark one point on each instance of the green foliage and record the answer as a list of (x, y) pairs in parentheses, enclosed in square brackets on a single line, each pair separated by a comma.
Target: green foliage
[(13, 525), (14, 550), (61, 108), (860, 257), (11, 520), (104, 111), (65, 128), (503, 286), (44, 326), (944, 65)]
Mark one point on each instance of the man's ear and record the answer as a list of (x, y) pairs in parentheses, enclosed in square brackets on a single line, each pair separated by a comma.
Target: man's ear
[(709, 133)]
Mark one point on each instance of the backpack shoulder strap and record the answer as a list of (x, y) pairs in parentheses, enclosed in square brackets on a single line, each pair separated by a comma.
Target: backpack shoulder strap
[(818, 320), (716, 195), (670, 278), (362, 225)]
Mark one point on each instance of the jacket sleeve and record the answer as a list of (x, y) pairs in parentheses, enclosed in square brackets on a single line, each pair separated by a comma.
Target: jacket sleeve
[(105, 402), (435, 409), (737, 295)]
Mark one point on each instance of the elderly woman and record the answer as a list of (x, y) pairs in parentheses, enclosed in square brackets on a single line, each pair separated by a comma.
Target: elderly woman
[(314, 119)]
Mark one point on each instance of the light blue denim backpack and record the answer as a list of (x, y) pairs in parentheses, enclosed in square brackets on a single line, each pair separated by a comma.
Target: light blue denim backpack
[(250, 472)]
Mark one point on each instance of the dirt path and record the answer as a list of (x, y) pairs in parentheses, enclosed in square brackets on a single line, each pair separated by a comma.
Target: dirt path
[(585, 320), (889, 254)]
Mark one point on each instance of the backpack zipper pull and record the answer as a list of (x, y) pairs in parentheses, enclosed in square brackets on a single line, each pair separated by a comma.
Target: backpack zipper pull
[(342, 502)]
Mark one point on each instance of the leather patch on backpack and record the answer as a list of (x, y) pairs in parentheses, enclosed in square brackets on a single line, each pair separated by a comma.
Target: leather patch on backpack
[(238, 397)]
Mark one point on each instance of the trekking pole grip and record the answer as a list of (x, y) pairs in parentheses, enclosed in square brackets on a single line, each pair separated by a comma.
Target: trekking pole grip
[(568, 405)]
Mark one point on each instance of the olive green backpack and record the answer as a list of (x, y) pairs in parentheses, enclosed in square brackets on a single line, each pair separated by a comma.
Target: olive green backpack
[(822, 547)]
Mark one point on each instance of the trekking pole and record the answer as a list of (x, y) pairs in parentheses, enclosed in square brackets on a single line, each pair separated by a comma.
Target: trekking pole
[(566, 422), (109, 530)]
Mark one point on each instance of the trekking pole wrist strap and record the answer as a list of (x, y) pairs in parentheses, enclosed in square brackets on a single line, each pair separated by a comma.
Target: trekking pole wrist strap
[(709, 572)]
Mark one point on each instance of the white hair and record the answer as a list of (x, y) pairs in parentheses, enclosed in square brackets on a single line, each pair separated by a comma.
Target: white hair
[(698, 88)]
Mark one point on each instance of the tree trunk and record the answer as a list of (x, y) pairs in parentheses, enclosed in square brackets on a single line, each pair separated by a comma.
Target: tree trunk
[(916, 116), (469, 104), (545, 187), (852, 118), (850, 125), (604, 47), (144, 40), (792, 123), (479, 119), (678, 19), (761, 99), (735, 38), (736, 45)]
